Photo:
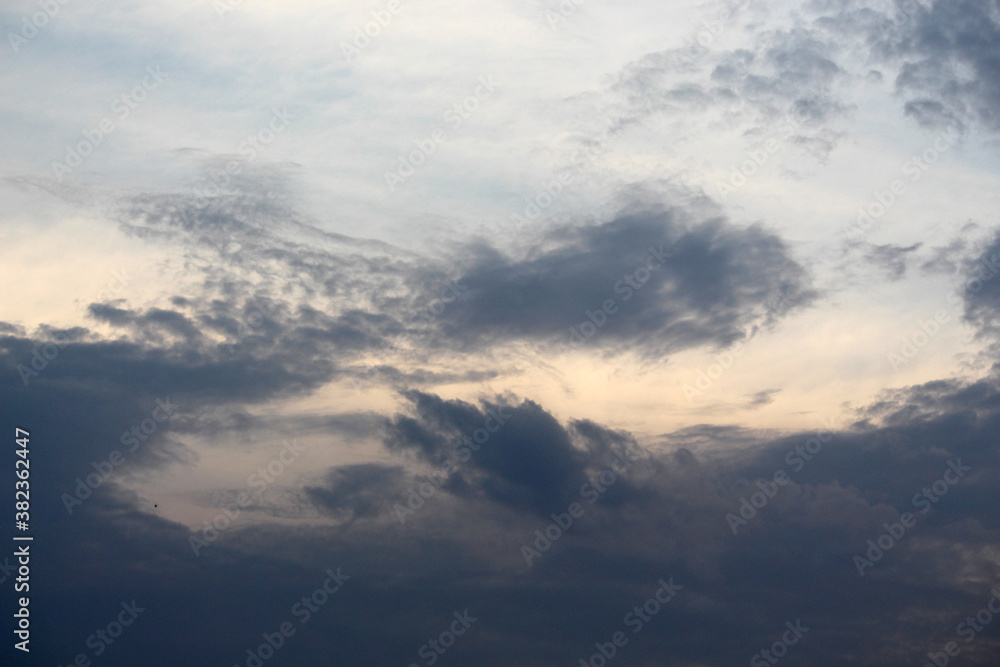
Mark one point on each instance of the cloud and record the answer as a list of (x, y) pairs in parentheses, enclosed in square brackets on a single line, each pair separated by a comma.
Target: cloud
[(394, 360), (761, 398), (980, 288), (891, 258), (265, 285), (517, 454), (946, 56), (672, 284), (780, 84), (950, 55), (665, 517), (357, 491)]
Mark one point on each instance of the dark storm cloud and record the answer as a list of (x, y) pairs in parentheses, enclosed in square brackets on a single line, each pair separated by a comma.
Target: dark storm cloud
[(93, 394), (802, 543), (702, 284), (89, 396), (666, 516), (517, 455)]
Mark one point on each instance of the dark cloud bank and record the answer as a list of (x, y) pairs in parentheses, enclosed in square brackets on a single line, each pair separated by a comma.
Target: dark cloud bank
[(456, 522)]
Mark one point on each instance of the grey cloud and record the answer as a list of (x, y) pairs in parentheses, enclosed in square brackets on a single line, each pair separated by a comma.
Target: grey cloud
[(358, 491), (517, 454), (951, 60), (716, 277), (463, 550), (947, 53), (782, 85), (979, 289), (710, 279), (891, 258), (273, 308), (761, 398)]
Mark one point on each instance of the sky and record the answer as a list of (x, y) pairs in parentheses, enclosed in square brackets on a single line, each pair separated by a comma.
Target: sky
[(526, 333)]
